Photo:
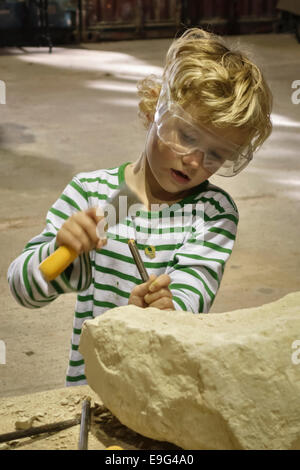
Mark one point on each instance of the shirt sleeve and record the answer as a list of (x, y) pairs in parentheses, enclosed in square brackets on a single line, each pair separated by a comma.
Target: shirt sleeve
[(198, 265), (26, 281)]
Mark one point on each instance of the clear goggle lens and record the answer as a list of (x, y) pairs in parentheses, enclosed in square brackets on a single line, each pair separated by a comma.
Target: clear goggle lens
[(176, 129)]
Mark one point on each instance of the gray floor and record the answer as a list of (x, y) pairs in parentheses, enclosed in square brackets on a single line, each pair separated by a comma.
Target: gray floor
[(76, 110)]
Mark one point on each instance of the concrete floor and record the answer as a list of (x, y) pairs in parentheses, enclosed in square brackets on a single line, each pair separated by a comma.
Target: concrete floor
[(76, 110)]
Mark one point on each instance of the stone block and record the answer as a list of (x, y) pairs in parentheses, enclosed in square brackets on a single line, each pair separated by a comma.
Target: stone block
[(208, 381)]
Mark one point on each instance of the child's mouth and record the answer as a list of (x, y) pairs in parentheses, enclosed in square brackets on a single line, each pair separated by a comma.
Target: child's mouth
[(179, 176)]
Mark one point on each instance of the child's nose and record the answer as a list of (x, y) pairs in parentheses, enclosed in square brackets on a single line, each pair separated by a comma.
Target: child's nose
[(193, 159)]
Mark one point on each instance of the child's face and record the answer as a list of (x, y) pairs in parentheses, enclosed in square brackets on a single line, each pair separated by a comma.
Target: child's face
[(222, 151), (164, 163)]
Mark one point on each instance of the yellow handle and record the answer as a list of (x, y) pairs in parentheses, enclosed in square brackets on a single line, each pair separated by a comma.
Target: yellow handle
[(114, 448), (56, 263)]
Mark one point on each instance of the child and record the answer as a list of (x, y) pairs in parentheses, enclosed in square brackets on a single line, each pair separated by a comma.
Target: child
[(209, 113)]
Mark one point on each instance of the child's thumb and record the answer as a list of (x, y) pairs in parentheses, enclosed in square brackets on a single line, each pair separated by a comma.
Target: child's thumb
[(151, 279), (142, 289), (96, 213)]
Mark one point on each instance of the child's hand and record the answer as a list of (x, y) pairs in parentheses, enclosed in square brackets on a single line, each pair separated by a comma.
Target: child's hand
[(138, 293), (160, 297), (159, 294), (79, 232)]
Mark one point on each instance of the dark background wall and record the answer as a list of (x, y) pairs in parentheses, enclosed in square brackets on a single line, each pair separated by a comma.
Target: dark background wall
[(153, 18), (24, 22)]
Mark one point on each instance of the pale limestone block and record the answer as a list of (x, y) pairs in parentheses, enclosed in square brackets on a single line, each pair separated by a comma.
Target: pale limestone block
[(216, 381)]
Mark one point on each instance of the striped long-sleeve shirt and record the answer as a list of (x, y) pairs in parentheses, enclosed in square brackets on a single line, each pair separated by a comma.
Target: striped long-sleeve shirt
[(191, 242)]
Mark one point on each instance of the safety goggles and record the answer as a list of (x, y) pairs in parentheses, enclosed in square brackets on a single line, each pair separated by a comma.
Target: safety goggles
[(177, 130)]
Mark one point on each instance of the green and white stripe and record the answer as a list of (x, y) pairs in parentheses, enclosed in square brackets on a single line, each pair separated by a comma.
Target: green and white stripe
[(193, 255)]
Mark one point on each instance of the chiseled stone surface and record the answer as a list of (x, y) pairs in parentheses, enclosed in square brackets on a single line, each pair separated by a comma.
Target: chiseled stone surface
[(217, 381)]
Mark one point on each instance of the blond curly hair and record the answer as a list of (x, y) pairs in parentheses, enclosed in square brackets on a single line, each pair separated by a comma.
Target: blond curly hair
[(224, 85)]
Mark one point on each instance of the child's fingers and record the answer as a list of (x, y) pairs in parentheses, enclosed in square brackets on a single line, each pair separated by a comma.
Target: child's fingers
[(142, 289), (162, 281), (102, 242), (66, 237), (137, 301), (88, 223), (97, 215), (164, 303), (150, 298), (94, 213), (81, 231)]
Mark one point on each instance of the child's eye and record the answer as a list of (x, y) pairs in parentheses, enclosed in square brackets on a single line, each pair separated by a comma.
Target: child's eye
[(215, 156), (188, 139)]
